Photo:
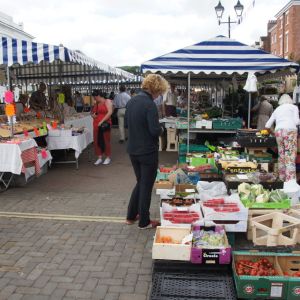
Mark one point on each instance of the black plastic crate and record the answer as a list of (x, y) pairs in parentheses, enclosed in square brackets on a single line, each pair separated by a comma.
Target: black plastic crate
[(188, 282), (249, 141)]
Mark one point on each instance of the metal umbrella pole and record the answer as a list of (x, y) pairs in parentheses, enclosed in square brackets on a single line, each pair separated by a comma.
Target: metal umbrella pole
[(249, 110), (188, 112)]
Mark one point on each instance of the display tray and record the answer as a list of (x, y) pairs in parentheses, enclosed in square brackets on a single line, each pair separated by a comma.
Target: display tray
[(233, 185), (172, 281), (249, 141), (283, 204)]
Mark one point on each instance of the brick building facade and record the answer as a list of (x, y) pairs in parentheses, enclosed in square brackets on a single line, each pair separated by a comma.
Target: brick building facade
[(284, 33)]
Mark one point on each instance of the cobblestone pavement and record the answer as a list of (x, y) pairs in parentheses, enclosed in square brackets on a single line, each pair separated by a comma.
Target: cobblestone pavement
[(56, 259)]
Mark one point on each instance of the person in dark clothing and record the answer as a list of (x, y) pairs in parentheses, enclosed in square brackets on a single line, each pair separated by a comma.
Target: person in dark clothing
[(38, 99), (141, 119)]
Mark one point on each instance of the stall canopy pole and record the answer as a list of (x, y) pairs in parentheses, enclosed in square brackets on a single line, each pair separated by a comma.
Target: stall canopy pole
[(8, 78), (188, 112), (249, 110)]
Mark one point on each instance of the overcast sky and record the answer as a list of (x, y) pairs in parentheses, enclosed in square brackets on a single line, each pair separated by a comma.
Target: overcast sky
[(129, 32)]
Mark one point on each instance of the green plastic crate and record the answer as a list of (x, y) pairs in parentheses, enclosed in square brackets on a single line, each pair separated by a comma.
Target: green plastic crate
[(227, 124), (265, 158), (182, 159), (280, 205), (192, 148)]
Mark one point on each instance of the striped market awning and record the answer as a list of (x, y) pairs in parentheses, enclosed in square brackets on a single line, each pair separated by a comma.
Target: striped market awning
[(220, 55), (20, 52)]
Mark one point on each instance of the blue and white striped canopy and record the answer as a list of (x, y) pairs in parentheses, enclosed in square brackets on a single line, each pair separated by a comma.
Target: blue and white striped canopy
[(14, 51), (220, 55)]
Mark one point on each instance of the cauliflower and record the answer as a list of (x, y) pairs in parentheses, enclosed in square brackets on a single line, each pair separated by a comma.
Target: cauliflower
[(256, 189), (244, 188), (263, 198)]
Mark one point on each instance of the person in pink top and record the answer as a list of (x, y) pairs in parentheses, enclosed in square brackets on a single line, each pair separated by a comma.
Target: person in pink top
[(101, 113)]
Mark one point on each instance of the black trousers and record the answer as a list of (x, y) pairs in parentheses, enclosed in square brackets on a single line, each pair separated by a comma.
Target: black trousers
[(145, 169)]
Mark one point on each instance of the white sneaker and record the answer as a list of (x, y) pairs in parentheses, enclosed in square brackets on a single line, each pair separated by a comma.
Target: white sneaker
[(98, 162), (107, 161)]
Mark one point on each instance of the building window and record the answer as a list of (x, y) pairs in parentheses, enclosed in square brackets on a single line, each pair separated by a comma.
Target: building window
[(275, 38), (280, 22), (287, 18), (280, 45), (287, 41)]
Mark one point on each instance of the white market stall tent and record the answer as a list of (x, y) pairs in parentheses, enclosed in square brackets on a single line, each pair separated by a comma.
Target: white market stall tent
[(220, 57), (36, 61)]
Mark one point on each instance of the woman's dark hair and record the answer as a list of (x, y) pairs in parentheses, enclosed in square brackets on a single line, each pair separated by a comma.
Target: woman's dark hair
[(100, 93), (132, 91), (122, 88)]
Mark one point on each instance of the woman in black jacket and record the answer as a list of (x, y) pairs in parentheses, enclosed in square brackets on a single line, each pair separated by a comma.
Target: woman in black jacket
[(144, 130)]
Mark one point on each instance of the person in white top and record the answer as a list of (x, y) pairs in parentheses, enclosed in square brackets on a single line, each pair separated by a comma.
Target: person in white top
[(170, 101), (286, 116)]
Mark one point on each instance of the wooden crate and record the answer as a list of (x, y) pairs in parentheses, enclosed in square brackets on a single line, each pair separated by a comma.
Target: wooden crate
[(171, 251), (252, 213), (275, 229)]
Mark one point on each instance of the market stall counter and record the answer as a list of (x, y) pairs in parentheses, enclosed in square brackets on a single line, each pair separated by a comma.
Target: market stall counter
[(63, 139), (20, 156)]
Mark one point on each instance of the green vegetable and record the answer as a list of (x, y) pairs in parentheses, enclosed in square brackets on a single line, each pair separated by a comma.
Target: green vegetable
[(256, 189), (263, 198), (278, 196), (244, 188)]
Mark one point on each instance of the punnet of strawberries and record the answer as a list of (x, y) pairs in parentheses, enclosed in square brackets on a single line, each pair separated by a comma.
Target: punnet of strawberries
[(260, 267)]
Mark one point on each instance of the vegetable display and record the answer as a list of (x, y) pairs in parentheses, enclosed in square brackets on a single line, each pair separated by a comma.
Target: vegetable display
[(255, 193), (209, 238)]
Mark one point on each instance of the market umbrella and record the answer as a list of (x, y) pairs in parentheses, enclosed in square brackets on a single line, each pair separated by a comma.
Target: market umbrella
[(220, 57)]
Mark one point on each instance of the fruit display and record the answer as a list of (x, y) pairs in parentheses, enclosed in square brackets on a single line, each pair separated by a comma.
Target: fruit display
[(208, 239), (165, 169), (179, 201), (238, 164), (166, 240), (259, 267), (181, 217), (220, 205)]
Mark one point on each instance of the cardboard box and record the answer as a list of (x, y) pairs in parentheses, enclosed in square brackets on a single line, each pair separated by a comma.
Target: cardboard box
[(171, 251), (257, 287), (166, 208), (163, 184), (212, 214), (216, 255), (185, 188), (205, 124)]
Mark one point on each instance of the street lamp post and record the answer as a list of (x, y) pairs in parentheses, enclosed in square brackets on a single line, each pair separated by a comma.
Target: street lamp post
[(238, 10)]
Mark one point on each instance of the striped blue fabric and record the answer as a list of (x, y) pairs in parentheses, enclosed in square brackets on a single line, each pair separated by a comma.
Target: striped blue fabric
[(14, 51), (218, 55)]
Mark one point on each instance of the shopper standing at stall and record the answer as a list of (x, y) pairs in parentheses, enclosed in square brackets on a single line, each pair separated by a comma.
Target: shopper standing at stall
[(101, 114), (78, 102), (286, 116), (120, 103), (38, 100), (170, 102), (143, 132), (264, 111)]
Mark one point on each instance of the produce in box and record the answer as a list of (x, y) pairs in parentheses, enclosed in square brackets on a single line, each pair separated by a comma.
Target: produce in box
[(209, 238), (260, 267), (253, 195)]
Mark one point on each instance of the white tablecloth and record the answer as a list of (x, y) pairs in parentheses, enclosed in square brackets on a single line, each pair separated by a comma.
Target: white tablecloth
[(78, 143), (86, 122), (10, 155), (42, 161)]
